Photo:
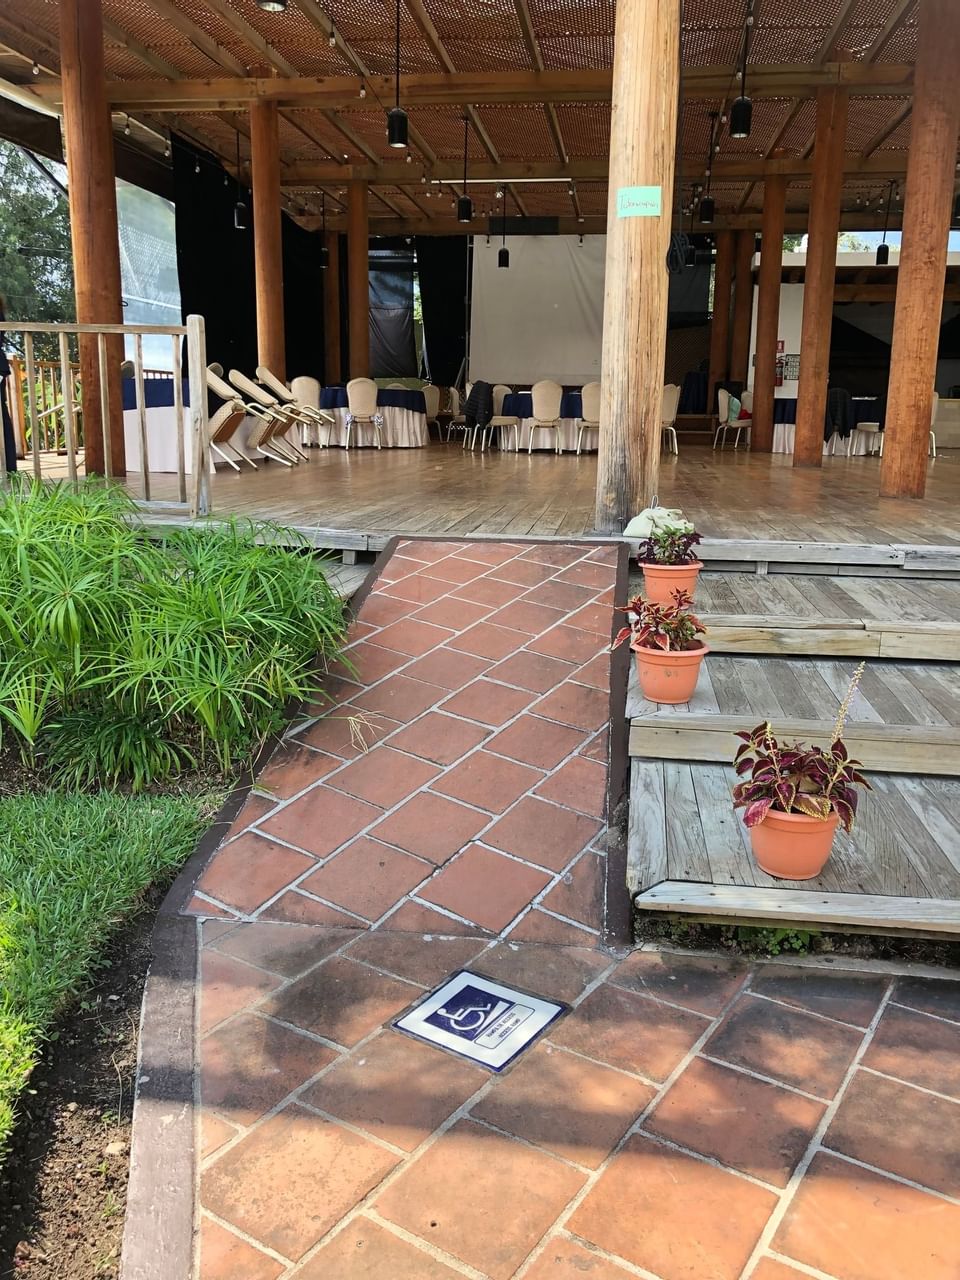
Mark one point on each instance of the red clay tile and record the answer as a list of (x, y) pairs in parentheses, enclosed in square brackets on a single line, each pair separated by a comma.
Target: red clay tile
[(574, 1108), (367, 662), (578, 895), (595, 673), (252, 869), (558, 554), (686, 1219), (524, 572), (598, 748), (429, 549), (561, 595), (533, 671), (359, 631), (488, 640), (321, 821), (899, 1129), (366, 1251), (286, 949), (380, 610), (424, 960), (580, 784), (527, 617), (629, 1031), (340, 1000), (417, 588), (292, 767), (489, 553), (224, 1256), (542, 833), (411, 637), (384, 777), (400, 698), (560, 973), (568, 643), (414, 917), (565, 1259), (785, 1044), (447, 668), (489, 591), (456, 614), (440, 738), (400, 565), (396, 1089), (431, 827), (297, 908), (290, 1180), (455, 570), (488, 781), (367, 878), (538, 926), (857, 1225), (211, 930), (577, 705), (512, 1188), (696, 982), (532, 740), (227, 986), (255, 807), (198, 906), (214, 1133), (918, 1048), (348, 733), (754, 1127), (250, 1064), (490, 703), (771, 1269), (484, 887), (931, 995), (589, 575), (848, 997)]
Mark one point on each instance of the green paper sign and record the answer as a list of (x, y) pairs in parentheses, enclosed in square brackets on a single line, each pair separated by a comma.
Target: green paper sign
[(638, 202)]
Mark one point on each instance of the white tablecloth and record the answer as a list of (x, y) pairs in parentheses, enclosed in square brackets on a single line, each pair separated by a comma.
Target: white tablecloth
[(546, 437), (161, 439), (402, 429), (784, 432)]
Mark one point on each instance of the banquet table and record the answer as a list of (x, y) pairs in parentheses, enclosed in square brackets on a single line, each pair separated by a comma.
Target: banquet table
[(162, 452), (404, 419), (519, 404), (865, 409)]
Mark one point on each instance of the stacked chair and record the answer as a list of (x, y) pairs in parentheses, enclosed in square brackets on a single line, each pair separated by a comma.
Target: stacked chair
[(223, 425), (271, 437), (308, 417)]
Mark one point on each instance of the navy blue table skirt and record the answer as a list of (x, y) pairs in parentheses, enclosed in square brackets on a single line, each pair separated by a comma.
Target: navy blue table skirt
[(785, 411), (520, 405), (387, 397), (157, 392)]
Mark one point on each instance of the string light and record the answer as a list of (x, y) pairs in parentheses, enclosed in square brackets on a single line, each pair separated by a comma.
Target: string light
[(35, 68)]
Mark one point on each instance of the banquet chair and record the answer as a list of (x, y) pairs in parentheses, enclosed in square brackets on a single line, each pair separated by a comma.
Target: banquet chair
[(226, 421), (501, 422), (271, 438), (932, 450), (362, 408), (456, 421), (310, 417), (431, 399), (589, 412), (668, 416), (267, 399), (547, 397), (395, 386), (739, 425)]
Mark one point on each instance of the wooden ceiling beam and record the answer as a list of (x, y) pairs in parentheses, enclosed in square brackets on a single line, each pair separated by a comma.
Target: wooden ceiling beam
[(887, 131), (834, 37), (536, 57), (895, 20)]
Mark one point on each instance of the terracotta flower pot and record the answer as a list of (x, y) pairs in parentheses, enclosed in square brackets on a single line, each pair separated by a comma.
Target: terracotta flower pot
[(668, 675), (661, 580), (792, 846)]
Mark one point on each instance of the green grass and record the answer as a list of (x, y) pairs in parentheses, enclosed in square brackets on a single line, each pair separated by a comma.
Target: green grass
[(72, 866)]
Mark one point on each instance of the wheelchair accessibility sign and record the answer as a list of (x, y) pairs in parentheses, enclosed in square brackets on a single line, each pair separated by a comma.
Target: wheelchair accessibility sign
[(479, 1019)]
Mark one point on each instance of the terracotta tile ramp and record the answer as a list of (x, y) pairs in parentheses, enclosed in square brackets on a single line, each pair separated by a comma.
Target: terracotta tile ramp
[(688, 1118)]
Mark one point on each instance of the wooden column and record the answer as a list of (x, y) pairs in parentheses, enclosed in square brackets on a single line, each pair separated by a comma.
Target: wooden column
[(768, 311), (331, 310), (720, 324), (93, 222), (923, 252), (742, 307), (643, 128), (358, 279), (267, 242), (820, 276)]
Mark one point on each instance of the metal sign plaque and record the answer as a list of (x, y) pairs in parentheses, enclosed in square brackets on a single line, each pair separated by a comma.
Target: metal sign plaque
[(480, 1019)]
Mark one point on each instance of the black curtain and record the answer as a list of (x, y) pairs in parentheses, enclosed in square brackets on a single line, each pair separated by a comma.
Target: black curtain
[(442, 270), (304, 280), (393, 349)]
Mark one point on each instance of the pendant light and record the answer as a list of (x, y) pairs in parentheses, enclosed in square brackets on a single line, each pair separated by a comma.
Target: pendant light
[(741, 112), (883, 249), (272, 6), (465, 204), (239, 209), (503, 257), (397, 122), (324, 256), (707, 205)]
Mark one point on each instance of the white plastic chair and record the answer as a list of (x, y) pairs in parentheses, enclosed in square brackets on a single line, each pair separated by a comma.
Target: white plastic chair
[(310, 416), (547, 396), (227, 420), (590, 411), (362, 407), (276, 418), (738, 427), (668, 416)]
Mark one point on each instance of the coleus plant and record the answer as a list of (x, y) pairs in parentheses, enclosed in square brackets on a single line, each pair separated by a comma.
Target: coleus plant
[(660, 626), (669, 546)]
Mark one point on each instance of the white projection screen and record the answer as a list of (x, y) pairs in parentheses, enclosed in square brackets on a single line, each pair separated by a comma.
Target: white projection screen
[(543, 316)]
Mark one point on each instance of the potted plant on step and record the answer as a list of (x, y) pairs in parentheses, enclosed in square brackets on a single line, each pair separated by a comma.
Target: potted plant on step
[(664, 639), (794, 797), (664, 549)]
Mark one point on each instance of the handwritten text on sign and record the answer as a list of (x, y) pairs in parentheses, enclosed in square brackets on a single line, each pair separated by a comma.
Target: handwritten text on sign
[(638, 202)]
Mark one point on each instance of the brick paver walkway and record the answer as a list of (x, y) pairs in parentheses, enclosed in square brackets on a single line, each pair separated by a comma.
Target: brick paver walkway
[(690, 1119)]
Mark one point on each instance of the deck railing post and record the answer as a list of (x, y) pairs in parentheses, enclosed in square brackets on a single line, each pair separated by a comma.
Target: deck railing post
[(197, 366), (178, 413), (32, 402), (104, 375), (141, 413), (69, 423)]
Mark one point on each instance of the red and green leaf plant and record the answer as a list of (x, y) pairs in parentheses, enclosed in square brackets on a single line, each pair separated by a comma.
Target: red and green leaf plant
[(789, 777), (660, 626), (669, 546)]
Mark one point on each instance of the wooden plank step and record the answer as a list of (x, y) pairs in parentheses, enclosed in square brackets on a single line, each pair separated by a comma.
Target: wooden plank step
[(884, 748), (800, 906), (838, 637)]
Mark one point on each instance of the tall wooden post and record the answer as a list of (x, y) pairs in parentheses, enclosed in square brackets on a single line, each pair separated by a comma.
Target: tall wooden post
[(923, 252), (768, 311), (358, 279), (742, 307), (93, 224), (643, 127), (720, 324), (331, 309), (820, 276), (267, 243)]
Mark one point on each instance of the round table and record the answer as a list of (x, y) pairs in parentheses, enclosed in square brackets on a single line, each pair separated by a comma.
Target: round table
[(404, 419), (520, 405)]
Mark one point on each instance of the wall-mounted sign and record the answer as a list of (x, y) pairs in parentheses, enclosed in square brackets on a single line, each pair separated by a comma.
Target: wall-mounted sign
[(639, 202)]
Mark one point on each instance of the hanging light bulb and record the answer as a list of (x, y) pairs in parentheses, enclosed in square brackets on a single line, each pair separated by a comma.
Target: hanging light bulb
[(332, 39), (35, 68), (398, 126), (363, 90), (503, 255), (707, 210), (272, 6), (239, 209), (464, 204), (126, 127), (324, 256), (707, 205), (883, 249), (166, 150), (196, 166)]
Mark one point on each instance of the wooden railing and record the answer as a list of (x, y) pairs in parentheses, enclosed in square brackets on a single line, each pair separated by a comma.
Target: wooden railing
[(46, 401)]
